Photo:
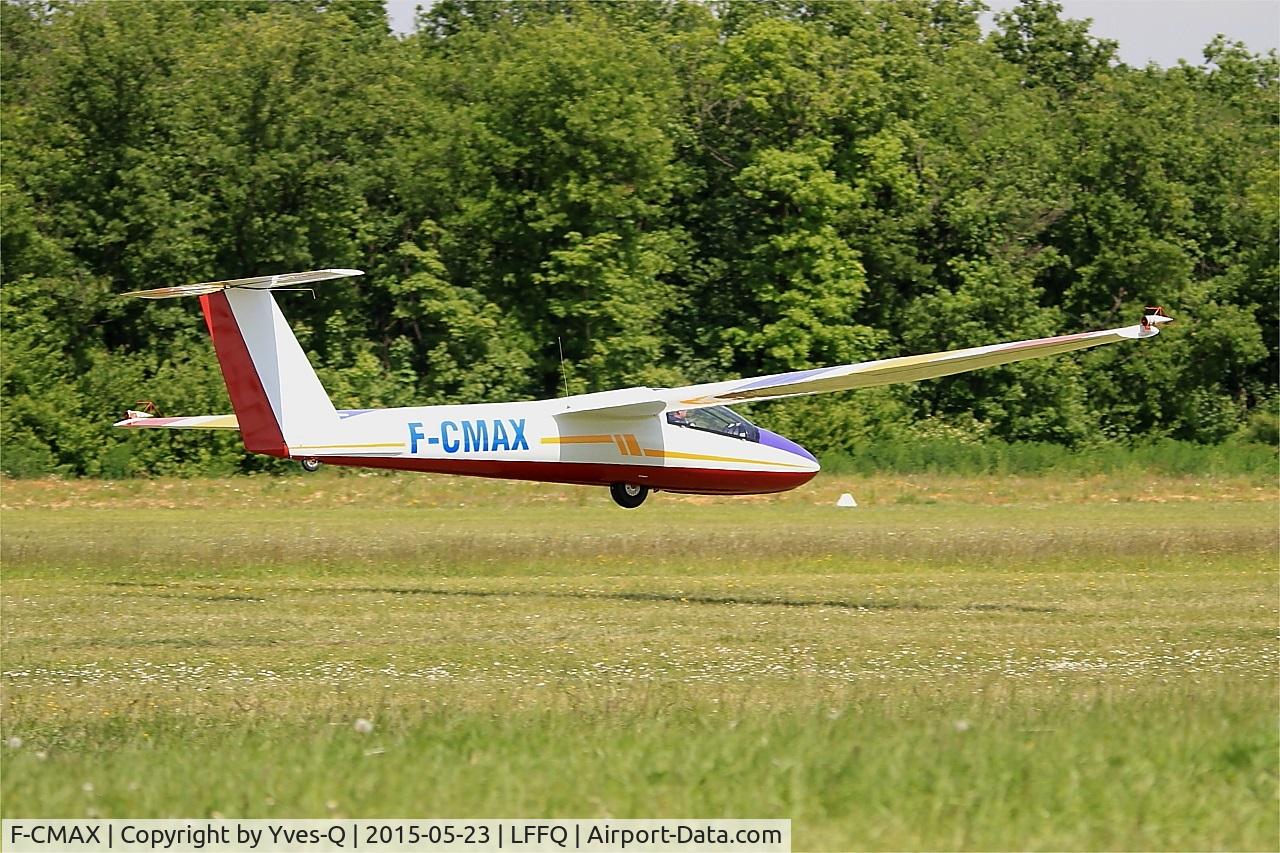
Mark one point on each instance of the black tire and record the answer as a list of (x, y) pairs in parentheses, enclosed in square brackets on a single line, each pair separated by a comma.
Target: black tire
[(628, 495), (310, 465)]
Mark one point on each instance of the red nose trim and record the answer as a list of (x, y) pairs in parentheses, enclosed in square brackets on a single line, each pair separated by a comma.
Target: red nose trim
[(258, 427)]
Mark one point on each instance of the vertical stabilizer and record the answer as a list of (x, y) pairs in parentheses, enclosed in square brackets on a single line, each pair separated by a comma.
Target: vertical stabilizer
[(275, 392)]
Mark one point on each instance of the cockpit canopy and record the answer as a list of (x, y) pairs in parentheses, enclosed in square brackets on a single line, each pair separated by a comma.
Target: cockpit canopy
[(718, 419)]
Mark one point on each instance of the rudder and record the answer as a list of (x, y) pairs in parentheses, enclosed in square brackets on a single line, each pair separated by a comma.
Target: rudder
[(277, 397)]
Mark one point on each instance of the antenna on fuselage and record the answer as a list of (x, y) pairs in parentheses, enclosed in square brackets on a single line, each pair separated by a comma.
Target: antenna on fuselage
[(563, 373)]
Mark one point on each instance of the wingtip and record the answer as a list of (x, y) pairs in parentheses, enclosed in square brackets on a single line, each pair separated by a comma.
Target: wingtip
[(1153, 315)]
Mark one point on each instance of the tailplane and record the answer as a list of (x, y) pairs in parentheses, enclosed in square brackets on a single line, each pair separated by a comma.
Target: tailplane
[(262, 282), (281, 407)]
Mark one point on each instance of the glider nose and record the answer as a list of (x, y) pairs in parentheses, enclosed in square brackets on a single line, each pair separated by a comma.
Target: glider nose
[(772, 439)]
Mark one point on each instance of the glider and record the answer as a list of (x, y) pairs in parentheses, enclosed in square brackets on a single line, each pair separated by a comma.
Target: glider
[(633, 440)]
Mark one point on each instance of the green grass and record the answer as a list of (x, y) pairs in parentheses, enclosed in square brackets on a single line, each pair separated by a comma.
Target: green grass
[(1164, 457), (959, 663)]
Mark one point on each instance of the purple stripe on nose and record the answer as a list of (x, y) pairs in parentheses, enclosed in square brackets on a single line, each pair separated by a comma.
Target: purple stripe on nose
[(772, 439)]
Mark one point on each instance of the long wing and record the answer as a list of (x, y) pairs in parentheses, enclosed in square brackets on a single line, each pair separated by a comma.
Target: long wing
[(867, 374), (910, 368)]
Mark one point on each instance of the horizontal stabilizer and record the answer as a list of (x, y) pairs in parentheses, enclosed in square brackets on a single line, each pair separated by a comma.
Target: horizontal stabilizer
[(262, 282), (197, 422), (144, 420)]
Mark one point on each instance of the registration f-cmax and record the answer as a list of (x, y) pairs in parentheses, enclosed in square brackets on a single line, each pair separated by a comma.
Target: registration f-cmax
[(59, 835), (632, 440)]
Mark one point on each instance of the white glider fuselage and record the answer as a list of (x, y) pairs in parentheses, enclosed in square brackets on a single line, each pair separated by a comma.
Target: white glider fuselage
[(541, 440)]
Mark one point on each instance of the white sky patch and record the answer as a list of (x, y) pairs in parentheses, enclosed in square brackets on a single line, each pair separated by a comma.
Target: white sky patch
[(1164, 31), (403, 13), (1160, 31)]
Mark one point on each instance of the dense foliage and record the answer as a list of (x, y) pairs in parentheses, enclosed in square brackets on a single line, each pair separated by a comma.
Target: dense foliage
[(679, 191)]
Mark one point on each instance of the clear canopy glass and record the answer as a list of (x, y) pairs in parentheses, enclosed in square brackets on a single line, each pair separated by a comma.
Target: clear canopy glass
[(718, 419)]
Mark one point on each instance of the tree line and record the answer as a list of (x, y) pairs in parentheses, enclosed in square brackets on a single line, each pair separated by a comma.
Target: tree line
[(676, 191)]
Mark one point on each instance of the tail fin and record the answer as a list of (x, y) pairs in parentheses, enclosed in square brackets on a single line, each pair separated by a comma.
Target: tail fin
[(278, 399)]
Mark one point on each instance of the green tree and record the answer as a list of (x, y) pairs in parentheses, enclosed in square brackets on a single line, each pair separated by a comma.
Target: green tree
[(1053, 51), (677, 190)]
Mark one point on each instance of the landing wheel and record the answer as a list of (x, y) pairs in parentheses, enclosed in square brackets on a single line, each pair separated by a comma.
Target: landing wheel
[(310, 465), (628, 496)]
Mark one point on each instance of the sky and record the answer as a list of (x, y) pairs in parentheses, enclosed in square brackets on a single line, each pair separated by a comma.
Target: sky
[(1162, 31)]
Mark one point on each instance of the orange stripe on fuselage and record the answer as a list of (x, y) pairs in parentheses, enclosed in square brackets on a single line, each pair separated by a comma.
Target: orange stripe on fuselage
[(628, 446), (700, 457), (578, 439)]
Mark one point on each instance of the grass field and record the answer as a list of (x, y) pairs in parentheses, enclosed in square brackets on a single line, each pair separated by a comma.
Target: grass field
[(958, 663)]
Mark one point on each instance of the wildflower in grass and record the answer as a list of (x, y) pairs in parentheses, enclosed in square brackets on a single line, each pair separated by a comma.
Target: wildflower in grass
[(14, 742), (363, 726), (962, 725)]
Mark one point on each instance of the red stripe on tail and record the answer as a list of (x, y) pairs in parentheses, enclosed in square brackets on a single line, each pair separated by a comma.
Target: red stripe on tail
[(258, 427)]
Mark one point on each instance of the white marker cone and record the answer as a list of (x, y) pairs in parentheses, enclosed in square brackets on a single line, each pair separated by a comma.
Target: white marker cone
[(846, 500)]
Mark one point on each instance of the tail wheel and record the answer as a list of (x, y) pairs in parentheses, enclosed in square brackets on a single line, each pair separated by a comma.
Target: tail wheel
[(627, 495), (310, 465)]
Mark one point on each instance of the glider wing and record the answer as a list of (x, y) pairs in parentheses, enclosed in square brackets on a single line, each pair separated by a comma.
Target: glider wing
[(909, 368), (623, 403)]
